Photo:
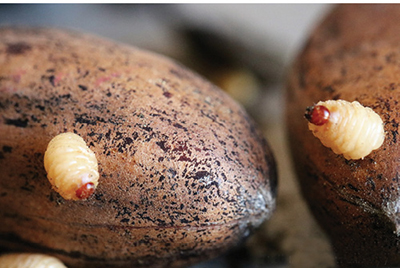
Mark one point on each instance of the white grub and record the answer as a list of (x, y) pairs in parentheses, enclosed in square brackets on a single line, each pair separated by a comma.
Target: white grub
[(71, 166), (347, 128), (29, 260)]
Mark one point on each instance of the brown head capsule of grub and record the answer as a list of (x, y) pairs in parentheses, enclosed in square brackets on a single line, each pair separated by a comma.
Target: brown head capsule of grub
[(317, 115), (85, 190)]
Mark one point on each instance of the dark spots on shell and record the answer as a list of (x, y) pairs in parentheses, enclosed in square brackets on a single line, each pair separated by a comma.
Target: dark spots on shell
[(128, 140), (124, 143), (18, 48), (101, 69), (51, 80), (161, 222), (56, 198), (167, 94), (140, 115), (173, 172), (352, 187), (162, 145), (59, 100), (147, 128), (213, 118), (40, 107), (183, 157), (352, 164), (125, 220), (98, 196), (374, 54), (154, 115), (35, 119), (328, 89), (108, 134), (87, 120), (135, 135), (7, 149), (85, 74), (82, 87), (394, 133), (392, 86), (390, 58), (17, 122), (125, 211), (384, 104), (185, 221), (394, 130), (177, 125), (371, 183), (336, 97), (201, 175), (96, 107), (181, 147)]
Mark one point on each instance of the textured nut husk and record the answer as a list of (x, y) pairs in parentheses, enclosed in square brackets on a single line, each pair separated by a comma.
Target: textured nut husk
[(353, 55), (184, 172)]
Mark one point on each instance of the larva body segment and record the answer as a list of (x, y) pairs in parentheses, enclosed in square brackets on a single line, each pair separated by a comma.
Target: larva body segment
[(351, 129), (28, 260), (71, 166)]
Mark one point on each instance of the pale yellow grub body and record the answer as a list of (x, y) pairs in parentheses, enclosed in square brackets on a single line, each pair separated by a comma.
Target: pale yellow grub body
[(70, 164), (28, 260), (352, 129)]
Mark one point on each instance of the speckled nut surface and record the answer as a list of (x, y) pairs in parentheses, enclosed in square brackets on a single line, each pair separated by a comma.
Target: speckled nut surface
[(352, 55), (184, 172)]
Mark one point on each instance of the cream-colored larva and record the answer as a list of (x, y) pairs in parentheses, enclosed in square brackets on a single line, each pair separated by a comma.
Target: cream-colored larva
[(71, 166), (347, 128), (29, 260)]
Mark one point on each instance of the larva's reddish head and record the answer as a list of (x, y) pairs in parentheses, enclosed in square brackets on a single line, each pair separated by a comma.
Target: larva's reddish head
[(317, 115), (85, 190)]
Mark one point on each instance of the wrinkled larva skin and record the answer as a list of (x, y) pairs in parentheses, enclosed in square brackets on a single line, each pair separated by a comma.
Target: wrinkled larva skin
[(352, 55), (70, 165), (352, 129), (29, 260), (184, 172)]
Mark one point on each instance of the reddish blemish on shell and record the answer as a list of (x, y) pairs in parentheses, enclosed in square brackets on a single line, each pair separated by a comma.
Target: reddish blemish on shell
[(16, 77), (104, 79), (317, 115), (58, 78), (85, 190), (9, 89)]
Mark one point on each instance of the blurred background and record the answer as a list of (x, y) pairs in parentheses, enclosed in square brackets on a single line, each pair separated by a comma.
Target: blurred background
[(246, 49)]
